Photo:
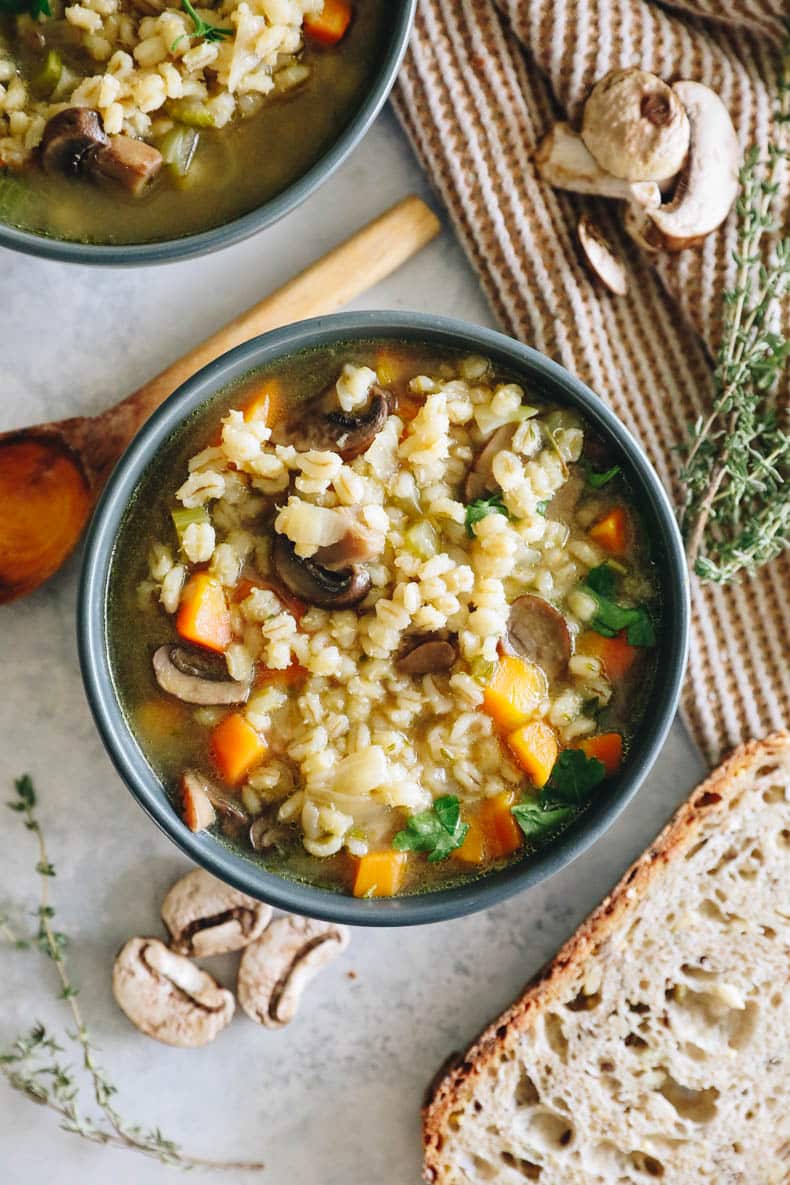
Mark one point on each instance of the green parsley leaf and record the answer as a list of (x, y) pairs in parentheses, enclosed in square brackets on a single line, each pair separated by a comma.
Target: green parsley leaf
[(202, 28), (574, 775), (597, 480), (610, 617), (537, 822), (602, 580), (478, 509), (34, 8), (438, 831)]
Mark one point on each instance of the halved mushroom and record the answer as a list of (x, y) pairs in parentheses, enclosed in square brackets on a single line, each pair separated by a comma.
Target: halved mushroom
[(708, 185), (167, 997), (206, 917), (314, 584), (605, 264), (201, 800), (427, 655), (71, 138), (537, 631), (275, 969), (313, 427), (636, 126), (195, 679), (128, 162), (480, 479), (565, 162)]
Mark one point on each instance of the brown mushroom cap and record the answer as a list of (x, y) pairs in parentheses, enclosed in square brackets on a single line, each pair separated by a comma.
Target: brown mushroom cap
[(427, 656), (204, 916), (308, 581), (167, 997), (70, 140), (635, 126), (313, 427), (537, 631)]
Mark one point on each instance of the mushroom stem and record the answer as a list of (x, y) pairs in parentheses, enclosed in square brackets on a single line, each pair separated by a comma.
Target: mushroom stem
[(564, 161)]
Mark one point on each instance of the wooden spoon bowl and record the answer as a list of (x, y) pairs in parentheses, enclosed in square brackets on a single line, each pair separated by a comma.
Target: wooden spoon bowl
[(52, 474)]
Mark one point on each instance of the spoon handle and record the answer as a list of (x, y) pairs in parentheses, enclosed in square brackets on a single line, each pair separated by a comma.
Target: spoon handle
[(331, 282)]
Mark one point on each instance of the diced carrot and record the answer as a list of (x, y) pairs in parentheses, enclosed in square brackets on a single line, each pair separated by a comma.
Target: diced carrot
[(607, 747), (290, 677), (408, 406), (236, 748), (514, 692), (330, 24), (502, 833), (473, 849), (535, 748), (203, 615), (617, 655), (266, 404), (611, 531), (392, 368), (380, 874), (160, 717)]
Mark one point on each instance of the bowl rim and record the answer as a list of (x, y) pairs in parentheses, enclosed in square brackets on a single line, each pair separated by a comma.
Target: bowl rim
[(228, 233), (234, 868)]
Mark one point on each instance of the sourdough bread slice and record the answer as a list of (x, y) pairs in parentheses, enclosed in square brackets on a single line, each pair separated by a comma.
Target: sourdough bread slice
[(656, 1045)]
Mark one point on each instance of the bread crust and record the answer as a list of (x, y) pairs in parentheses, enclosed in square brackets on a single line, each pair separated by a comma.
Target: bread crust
[(711, 798)]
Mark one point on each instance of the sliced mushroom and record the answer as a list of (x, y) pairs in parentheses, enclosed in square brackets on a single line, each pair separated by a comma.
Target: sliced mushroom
[(537, 631), (359, 545), (71, 138), (167, 997), (313, 427), (201, 800), (605, 264), (264, 834), (206, 917), (480, 478), (636, 126), (128, 162), (427, 656), (197, 810), (644, 232), (708, 185), (310, 582), (275, 970), (178, 671), (564, 161)]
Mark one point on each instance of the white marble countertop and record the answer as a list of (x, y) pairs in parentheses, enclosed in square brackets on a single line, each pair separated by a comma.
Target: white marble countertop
[(335, 1098)]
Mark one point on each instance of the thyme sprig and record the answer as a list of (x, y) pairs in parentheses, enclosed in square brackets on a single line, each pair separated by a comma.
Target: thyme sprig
[(203, 29), (737, 465), (33, 1064)]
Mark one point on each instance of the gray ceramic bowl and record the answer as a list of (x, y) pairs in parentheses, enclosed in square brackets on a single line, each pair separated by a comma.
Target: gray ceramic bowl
[(277, 207), (539, 375)]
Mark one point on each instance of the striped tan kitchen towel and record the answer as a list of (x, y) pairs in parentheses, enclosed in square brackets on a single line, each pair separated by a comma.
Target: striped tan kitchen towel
[(481, 85)]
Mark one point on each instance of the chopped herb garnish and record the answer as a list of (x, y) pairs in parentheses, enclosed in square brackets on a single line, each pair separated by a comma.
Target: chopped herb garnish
[(34, 8), (542, 507), (478, 509), (597, 480), (611, 617), (202, 28), (573, 777), (537, 821), (438, 831)]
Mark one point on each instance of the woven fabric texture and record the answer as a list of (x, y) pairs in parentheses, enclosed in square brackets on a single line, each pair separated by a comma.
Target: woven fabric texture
[(481, 84)]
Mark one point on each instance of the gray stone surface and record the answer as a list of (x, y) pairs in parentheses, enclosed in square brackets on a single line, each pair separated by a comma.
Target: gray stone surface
[(334, 1099)]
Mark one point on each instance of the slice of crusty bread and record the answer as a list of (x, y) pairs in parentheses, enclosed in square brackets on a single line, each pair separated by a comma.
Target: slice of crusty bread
[(656, 1045)]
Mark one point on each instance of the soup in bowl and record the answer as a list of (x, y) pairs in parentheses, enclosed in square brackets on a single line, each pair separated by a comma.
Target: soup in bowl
[(383, 617), (133, 129)]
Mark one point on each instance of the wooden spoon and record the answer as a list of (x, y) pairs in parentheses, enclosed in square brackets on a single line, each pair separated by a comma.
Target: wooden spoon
[(52, 474)]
